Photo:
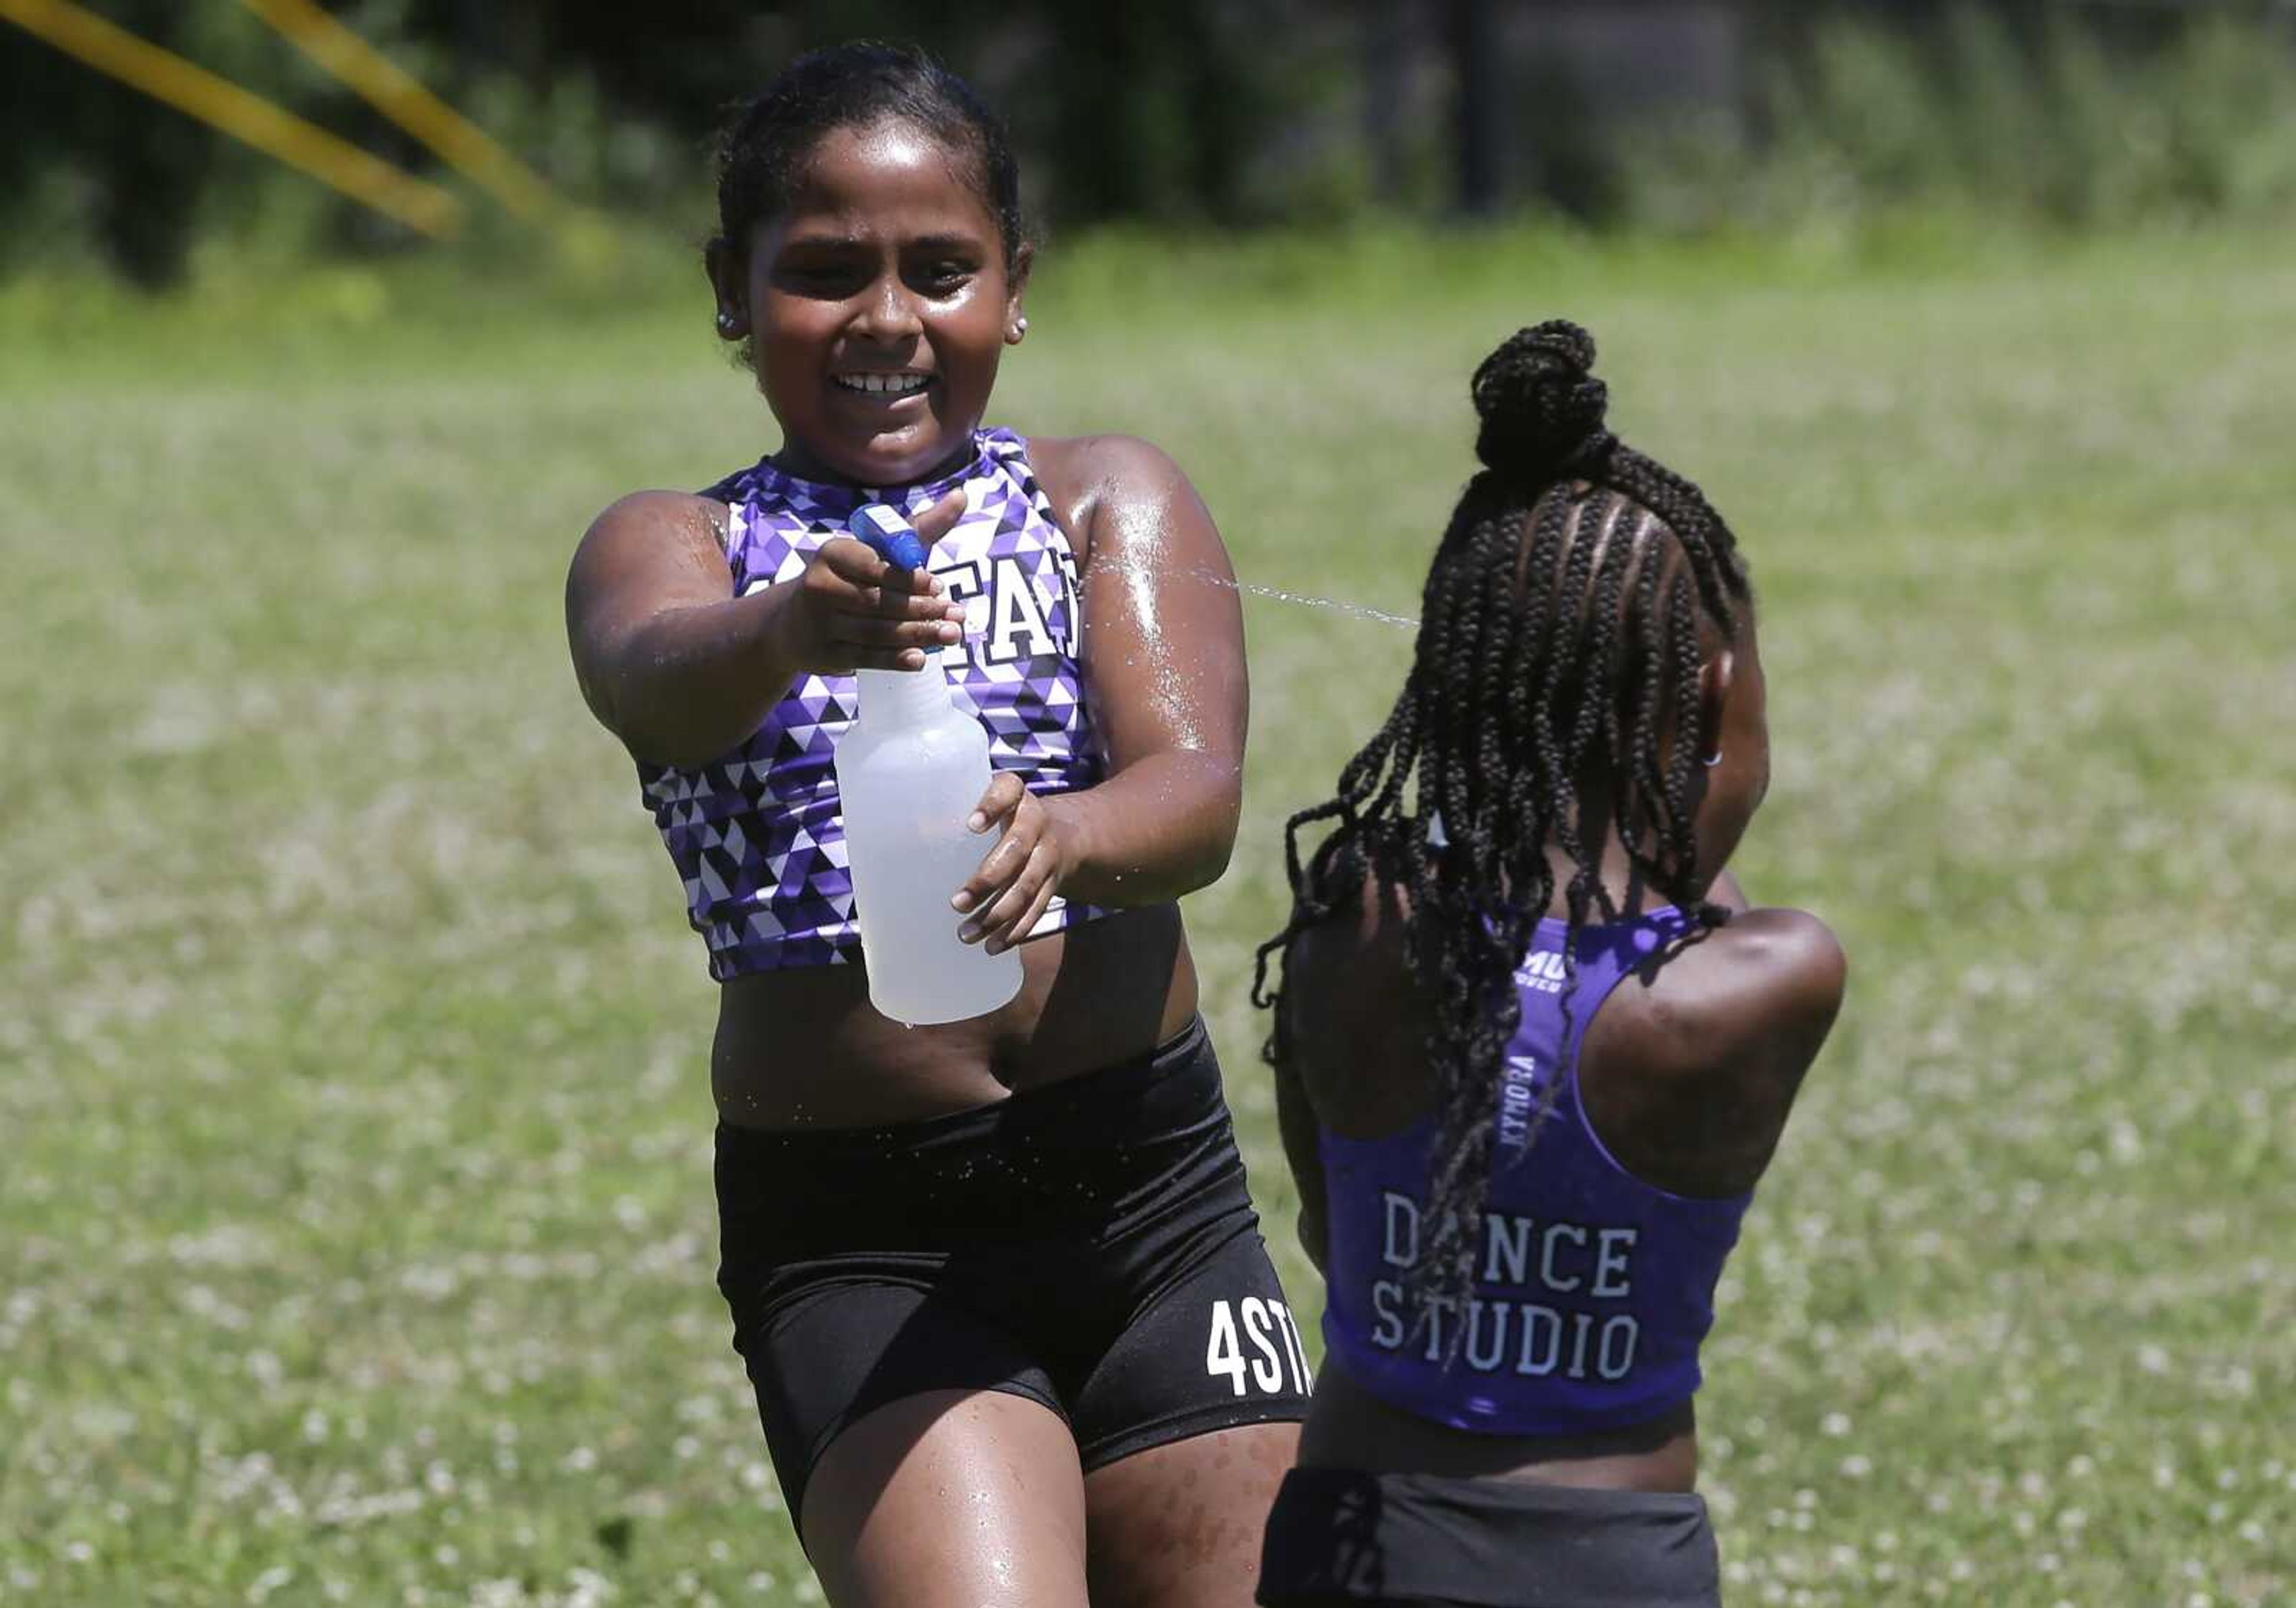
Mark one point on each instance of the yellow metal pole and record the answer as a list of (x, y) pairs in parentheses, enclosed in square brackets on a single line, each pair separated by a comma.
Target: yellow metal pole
[(406, 102), (193, 90)]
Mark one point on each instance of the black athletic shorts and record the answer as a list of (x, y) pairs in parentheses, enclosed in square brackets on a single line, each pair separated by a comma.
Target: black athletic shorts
[(1088, 1245), (1340, 1538)]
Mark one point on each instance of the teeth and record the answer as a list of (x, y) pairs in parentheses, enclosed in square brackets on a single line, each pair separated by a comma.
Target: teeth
[(898, 385)]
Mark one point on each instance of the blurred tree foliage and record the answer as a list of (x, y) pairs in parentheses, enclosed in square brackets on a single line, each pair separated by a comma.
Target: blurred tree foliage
[(1124, 111), (1667, 113), (138, 169)]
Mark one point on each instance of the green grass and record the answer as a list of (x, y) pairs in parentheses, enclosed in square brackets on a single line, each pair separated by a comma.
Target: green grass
[(356, 1238)]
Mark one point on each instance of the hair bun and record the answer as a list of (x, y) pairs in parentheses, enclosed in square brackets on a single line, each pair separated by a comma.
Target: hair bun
[(1542, 410)]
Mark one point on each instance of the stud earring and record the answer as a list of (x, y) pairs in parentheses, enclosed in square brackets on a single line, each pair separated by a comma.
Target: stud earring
[(1020, 328), (727, 324), (1712, 760)]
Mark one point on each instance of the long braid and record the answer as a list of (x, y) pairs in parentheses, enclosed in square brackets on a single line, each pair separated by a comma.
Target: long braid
[(1567, 641), (1558, 652)]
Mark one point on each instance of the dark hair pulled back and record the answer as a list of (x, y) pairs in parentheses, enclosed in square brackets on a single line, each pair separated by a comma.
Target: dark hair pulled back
[(1558, 648), (1542, 410), (766, 144)]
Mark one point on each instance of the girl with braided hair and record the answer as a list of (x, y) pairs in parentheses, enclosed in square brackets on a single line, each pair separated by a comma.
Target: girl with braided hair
[(1532, 1049)]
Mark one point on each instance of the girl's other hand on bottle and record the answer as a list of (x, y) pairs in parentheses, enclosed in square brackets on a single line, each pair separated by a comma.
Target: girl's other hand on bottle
[(1018, 877), (851, 610)]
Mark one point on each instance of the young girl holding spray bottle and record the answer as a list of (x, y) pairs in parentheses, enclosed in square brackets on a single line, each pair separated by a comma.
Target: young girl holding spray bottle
[(1013, 1334)]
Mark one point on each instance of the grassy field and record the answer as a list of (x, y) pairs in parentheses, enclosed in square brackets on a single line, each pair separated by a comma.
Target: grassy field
[(356, 1238)]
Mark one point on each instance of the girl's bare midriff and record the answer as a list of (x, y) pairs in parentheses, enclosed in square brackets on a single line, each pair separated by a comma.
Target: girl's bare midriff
[(1351, 1428), (804, 1049)]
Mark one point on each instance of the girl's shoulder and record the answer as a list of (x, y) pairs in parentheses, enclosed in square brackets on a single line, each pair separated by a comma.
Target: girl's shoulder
[(1096, 484), (1764, 974), (648, 528), (1691, 1069), (1106, 457)]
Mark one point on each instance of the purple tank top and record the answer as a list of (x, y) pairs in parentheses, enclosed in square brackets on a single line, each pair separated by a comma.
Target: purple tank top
[(1593, 1289), (757, 834)]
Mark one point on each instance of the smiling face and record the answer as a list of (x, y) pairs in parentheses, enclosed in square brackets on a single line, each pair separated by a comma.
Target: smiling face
[(878, 301)]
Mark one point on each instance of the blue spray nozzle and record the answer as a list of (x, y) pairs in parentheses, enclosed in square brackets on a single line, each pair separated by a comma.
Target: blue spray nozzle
[(889, 535)]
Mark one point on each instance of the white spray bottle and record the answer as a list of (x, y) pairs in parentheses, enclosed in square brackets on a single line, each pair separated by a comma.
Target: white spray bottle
[(910, 769)]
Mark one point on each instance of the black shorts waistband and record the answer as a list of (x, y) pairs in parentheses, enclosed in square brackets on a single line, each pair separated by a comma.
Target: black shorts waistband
[(1337, 1534)]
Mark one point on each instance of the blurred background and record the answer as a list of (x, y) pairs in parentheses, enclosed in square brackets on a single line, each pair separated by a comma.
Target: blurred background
[(1680, 116), (355, 1232)]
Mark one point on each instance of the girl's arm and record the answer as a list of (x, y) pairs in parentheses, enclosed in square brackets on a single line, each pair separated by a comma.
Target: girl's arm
[(1295, 1124), (1162, 667), (680, 669), (1351, 1038)]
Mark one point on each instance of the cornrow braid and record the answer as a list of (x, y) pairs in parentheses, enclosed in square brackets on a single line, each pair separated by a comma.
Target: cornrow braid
[(1558, 645)]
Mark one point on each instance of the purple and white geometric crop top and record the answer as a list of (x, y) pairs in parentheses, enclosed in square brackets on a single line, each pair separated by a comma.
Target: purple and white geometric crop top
[(1593, 1288), (757, 834)]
